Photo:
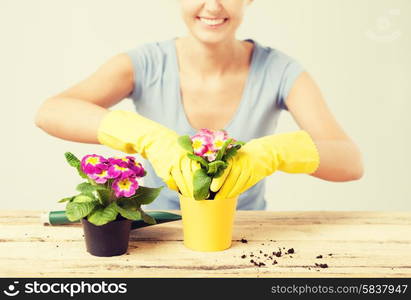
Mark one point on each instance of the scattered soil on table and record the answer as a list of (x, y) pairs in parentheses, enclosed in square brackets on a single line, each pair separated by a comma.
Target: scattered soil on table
[(257, 264), (261, 259), (278, 254)]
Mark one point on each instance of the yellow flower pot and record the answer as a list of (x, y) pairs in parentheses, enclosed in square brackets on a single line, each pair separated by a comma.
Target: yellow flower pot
[(207, 224)]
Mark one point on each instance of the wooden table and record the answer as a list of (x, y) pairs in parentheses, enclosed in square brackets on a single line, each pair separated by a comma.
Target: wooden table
[(352, 244)]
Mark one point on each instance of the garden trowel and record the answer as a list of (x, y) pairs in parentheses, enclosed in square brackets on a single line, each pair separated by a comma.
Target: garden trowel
[(60, 218)]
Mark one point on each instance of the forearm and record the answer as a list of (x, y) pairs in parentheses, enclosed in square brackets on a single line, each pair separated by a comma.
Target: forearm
[(340, 160), (70, 119)]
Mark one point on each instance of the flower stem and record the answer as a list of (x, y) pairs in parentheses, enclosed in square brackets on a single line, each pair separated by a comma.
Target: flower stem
[(111, 198)]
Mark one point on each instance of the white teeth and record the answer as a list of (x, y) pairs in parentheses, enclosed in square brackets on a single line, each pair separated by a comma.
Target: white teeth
[(212, 21)]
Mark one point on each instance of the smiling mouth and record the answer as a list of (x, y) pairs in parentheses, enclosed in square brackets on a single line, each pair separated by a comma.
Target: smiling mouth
[(214, 22)]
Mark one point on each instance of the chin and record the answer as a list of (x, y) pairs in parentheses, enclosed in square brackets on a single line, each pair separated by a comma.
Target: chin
[(212, 38)]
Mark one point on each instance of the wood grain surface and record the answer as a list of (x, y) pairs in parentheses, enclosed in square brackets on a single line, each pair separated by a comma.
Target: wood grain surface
[(352, 244)]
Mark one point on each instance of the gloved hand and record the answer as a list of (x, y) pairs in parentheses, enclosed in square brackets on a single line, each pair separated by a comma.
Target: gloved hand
[(130, 132), (293, 152), (182, 173)]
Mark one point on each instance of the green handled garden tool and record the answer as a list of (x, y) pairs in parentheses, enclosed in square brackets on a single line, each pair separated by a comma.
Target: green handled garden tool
[(60, 218)]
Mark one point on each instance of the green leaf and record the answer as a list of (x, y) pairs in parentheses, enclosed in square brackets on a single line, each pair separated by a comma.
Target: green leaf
[(238, 143), (72, 159), (128, 203), (78, 210), (75, 162), (221, 152), (90, 194), (66, 199), (230, 153), (146, 195), (87, 187), (147, 218), (220, 171), (128, 213), (104, 196), (83, 198), (103, 215), (201, 160), (185, 142), (201, 184), (214, 166)]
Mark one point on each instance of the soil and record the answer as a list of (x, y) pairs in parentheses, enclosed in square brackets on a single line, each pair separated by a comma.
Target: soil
[(278, 254), (261, 259), (212, 195)]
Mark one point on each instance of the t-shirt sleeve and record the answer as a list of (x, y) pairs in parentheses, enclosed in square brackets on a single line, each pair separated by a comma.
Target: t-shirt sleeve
[(147, 63), (291, 70)]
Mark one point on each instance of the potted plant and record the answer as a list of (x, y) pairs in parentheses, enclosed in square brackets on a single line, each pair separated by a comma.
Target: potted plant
[(208, 223), (108, 201)]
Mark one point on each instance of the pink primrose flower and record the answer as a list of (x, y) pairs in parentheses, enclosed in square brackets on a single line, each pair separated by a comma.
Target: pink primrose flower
[(125, 187), (93, 163), (101, 177)]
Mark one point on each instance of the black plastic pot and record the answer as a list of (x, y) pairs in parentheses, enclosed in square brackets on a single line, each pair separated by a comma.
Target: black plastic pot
[(107, 240)]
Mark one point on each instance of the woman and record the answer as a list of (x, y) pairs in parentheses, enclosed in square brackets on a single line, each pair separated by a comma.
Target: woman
[(208, 79)]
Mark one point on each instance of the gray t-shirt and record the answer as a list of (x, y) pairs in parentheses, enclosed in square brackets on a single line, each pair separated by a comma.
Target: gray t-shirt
[(157, 96)]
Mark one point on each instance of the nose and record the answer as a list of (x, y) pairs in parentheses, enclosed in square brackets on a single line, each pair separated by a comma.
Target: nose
[(213, 6)]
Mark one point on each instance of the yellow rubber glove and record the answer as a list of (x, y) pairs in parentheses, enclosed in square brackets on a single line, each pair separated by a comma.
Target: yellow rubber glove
[(293, 152), (130, 132), (182, 173)]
